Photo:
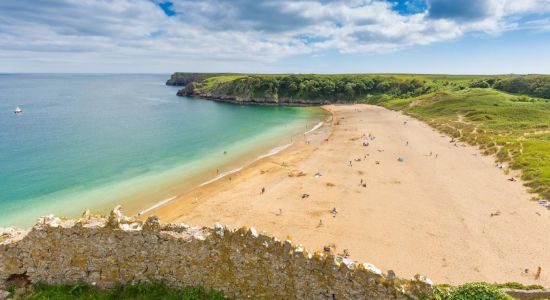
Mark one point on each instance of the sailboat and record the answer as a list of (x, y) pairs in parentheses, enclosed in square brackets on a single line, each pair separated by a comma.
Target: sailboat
[(18, 110)]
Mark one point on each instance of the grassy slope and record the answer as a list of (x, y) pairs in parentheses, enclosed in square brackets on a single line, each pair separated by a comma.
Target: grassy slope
[(214, 81), (160, 291), (515, 129), (140, 291)]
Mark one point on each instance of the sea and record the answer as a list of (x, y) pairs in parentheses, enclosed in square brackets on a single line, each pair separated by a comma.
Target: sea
[(99, 140)]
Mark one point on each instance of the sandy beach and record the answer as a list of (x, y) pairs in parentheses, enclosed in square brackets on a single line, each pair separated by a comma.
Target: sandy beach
[(410, 201)]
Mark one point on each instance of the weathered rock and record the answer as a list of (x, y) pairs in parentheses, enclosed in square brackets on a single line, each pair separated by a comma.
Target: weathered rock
[(241, 263), (4, 295)]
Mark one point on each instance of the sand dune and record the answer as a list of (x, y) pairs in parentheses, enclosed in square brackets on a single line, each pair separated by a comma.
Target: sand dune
[(429, 214)]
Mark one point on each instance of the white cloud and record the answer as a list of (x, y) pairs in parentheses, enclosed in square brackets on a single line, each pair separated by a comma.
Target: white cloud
[(132, 32)]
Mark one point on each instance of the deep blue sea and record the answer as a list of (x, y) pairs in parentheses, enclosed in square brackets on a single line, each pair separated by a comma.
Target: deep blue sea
[(96, 140)]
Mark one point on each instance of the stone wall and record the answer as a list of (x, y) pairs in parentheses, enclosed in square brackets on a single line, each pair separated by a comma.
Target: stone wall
[(106, 251)]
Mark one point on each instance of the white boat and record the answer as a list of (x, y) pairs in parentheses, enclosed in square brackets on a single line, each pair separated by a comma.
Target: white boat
[(18, 110)]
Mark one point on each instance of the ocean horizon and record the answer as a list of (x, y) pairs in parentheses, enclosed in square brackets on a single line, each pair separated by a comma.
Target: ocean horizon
[(98, 140)]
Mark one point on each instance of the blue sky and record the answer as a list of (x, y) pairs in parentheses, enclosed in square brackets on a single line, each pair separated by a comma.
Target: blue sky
[(276, 36)]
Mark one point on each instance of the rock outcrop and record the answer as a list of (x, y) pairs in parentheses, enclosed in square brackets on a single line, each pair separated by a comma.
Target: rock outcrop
[(106, 251), (193, 90)]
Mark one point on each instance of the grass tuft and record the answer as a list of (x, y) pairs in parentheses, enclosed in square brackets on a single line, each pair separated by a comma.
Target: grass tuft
[(142, 291)]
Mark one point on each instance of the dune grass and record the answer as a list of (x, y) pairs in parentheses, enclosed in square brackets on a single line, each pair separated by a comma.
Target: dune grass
[(139, 291), (516, 129)]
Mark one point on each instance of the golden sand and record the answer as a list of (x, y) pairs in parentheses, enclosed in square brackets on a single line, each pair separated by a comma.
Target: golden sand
[(451, 215)]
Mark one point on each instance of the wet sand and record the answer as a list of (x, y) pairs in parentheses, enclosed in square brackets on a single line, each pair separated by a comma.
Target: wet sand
[(451, 215)]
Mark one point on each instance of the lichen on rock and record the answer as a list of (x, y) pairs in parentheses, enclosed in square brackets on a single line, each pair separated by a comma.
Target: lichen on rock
[(107, 251)]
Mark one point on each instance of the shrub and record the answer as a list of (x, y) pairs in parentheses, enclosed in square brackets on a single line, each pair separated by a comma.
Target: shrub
[(142, 291), (478, 291), (480, 84)]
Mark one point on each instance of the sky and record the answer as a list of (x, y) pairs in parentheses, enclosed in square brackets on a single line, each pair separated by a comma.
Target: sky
[(275, 36)]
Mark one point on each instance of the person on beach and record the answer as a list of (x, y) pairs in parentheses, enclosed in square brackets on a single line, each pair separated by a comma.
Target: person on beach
[(350, 163), (345, 253), (263, 190), (539, 270), (217, 171)]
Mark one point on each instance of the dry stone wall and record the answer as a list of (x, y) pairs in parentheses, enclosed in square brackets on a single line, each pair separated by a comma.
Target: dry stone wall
[(106, 251)]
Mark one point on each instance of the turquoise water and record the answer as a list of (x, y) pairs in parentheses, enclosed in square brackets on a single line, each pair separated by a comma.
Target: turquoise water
[(93, 141)]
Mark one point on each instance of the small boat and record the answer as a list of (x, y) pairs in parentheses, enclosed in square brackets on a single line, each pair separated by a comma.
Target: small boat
[(18, 110)]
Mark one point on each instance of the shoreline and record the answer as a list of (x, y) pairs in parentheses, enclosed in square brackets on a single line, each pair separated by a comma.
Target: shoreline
[(290, 102), (144, 192), (437, 215), (272, 152)]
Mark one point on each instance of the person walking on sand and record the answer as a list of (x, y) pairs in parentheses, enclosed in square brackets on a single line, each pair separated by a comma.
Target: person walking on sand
[(263, 190), (539, 270)]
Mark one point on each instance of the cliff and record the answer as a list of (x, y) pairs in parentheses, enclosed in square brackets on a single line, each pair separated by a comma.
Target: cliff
[(218, 94), (106, 251)]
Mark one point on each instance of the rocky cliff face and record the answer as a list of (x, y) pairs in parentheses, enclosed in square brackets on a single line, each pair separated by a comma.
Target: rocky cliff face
[(219, 94), (107, 251)]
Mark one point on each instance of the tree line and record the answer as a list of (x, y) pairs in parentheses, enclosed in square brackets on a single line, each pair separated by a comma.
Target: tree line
[(335, 87), (532, 85)]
